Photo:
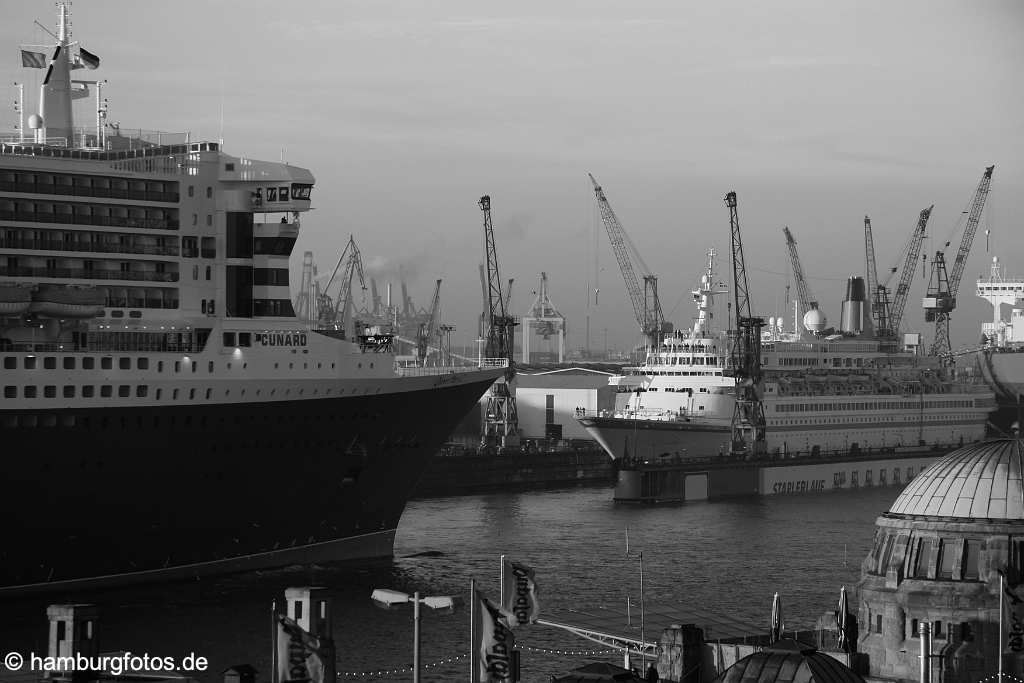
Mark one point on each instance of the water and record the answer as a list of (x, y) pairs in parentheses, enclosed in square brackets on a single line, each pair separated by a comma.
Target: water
[(725, 557)]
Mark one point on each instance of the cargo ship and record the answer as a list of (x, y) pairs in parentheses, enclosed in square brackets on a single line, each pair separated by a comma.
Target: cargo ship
[(832, 399), (164, 413)]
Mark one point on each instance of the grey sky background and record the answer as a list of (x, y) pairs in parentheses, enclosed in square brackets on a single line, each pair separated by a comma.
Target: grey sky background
[(814, 113)]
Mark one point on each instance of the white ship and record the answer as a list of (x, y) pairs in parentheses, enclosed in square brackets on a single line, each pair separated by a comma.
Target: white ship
[(824, 394), (162, 410), (1001, 358)]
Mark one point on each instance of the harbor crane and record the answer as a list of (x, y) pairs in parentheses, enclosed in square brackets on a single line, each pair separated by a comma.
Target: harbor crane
[(336, 312), (894, 312), (428, 328), (543, 319), (646, 305), (808, 302), (744, 360), (501, 419), (940, 299), (877, 291)]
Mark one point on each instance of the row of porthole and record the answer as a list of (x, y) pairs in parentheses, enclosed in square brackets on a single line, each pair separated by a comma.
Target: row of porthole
[(65, 420), (142, 391), (124, 363)]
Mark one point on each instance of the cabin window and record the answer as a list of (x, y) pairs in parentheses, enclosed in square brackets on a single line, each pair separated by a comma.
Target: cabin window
[(50, 363), (30, 392), (50, 391), (10, 363), (106, 363), (143, 363), (191, 191), (10, 392), (69, 391), (124, 363), (69, 362), (124, 391), (106, 391), (88, 391), (141, 391)]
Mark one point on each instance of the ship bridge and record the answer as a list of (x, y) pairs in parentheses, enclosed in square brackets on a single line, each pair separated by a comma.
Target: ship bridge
[(998, 289)]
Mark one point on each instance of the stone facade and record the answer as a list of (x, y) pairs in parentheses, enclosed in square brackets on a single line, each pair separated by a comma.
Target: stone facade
[(943, 570)]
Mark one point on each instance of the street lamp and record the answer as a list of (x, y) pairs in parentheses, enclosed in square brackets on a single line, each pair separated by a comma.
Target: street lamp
[(387, 599)]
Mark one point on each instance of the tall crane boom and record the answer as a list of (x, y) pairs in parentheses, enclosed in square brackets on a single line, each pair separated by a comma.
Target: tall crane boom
[(748, 421), (500, 332), (877, 290), (803, 290), (350, 265), (646, 305), (899, 299), (942, 288)]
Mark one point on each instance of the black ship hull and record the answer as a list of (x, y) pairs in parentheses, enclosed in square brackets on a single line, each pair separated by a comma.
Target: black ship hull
[(101, 495)]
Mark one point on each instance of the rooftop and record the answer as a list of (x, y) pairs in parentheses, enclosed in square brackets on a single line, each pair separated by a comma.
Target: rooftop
[(980, 481)]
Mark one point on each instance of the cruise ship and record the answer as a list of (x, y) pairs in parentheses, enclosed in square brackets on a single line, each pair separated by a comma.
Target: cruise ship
[(163, 411), (1001, 356), (839, 396)]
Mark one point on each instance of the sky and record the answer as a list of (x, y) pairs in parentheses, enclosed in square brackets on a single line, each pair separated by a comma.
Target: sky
[(407, 111)]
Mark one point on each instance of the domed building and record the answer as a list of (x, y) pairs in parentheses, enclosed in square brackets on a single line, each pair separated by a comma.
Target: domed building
[(788, 661), (936, 560)]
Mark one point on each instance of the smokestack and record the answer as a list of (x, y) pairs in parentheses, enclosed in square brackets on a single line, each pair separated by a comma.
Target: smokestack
[(853, 306)]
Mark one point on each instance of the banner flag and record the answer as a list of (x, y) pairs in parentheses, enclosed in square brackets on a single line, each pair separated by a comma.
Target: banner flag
[(33, 60), (519, 593), (88, 59), (494, 642), (1013, 611), (299, 656)]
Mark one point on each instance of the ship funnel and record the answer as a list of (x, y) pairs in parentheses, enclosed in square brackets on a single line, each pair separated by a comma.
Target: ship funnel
[(854, 306)]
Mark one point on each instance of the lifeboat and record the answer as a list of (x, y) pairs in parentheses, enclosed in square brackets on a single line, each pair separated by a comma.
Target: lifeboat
[(67, 301), (14, 298)]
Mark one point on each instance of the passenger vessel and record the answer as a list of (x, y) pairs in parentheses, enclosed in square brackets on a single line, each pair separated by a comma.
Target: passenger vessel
[(163, 411)]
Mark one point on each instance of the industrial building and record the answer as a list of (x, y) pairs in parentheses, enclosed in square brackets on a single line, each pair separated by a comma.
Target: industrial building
[(548, 399)]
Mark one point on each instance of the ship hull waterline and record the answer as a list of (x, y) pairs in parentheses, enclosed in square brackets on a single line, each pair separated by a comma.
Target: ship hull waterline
[(157, 492)]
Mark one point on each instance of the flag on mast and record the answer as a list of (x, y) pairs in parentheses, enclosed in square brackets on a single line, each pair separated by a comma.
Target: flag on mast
[(519, 593), (88, 59), (493, 642), (33, 60)]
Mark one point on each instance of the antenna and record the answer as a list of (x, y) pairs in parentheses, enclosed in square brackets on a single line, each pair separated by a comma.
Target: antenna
[(221, 137)]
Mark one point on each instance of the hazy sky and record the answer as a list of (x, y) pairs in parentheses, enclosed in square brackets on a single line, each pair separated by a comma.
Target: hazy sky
[(814, 113)]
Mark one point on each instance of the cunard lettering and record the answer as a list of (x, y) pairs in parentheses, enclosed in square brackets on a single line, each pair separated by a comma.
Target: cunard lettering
[(281, 338)]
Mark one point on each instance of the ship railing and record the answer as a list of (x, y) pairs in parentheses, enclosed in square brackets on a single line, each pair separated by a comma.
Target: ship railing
[(88, 274), (94, 247), (433, 370), (494, 362)]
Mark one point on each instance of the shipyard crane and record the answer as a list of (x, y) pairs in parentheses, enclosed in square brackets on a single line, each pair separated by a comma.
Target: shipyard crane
[(646, 305), (428, 328), (913, 251), (940, 299), (877, 291), (744, 362), (501, 419), (808, 302), (350, 265)]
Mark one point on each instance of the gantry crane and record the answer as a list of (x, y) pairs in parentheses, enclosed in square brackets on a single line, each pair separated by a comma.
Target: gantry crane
[(501, 419), (646, 305), (428, 328), (744, 361), (877, 291), (804, 295), (940, 299)]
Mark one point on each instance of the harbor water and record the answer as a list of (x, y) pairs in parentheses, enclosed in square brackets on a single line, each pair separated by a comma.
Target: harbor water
[(725, 557)]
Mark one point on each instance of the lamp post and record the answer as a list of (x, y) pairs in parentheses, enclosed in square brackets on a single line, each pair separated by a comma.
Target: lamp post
[(387, 599)]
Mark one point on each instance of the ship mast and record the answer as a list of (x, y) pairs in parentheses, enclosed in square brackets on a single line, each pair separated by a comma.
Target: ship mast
[(55, 92)]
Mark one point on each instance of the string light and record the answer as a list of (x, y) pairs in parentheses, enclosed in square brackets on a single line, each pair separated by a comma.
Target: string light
[(459, 658)]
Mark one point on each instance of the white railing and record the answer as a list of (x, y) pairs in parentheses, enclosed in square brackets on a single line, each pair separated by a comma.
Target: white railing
[(494, 362)]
